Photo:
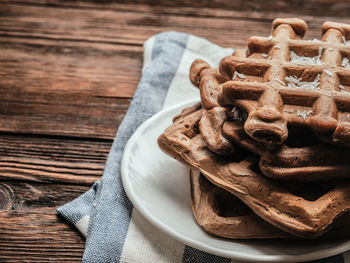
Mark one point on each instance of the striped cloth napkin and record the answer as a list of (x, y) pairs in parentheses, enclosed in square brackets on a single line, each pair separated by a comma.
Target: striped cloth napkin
[(114, 231)]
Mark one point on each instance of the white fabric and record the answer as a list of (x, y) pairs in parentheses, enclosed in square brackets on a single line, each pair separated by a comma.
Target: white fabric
[(181, 88), (83, 224), (152, 245)]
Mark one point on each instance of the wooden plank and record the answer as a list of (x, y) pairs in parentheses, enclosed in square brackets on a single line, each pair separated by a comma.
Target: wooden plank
[(65, 88), (107, 22), (120, 26), (25, 196), (52, 160), (61, 114), (314, 7), (30, 228), (252, 9), (69, 67), (38, 235), (46, 88)]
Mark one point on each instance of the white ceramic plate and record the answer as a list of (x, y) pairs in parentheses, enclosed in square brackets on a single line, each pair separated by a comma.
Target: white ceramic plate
[(158, 186)]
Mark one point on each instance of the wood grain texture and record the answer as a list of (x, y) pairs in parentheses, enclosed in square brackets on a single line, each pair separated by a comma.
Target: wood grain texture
[(68, 72), (313, 7), (51, 160), (61, 114), (30, 229), (43, 91), (38, 235), (23, 196)]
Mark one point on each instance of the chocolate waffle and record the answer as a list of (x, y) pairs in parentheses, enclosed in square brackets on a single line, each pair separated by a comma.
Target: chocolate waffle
[(222, 214), (296, 82), (274, 201), (302, 157), (208, 81), (213, 115)]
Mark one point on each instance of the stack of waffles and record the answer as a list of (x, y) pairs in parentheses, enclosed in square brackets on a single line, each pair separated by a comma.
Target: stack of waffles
[(267, 146)]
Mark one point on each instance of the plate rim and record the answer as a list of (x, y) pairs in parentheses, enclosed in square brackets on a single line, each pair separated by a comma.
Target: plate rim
[(319, 254)]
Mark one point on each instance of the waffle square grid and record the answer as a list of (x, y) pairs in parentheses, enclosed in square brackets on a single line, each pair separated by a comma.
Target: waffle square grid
[(261, 76)]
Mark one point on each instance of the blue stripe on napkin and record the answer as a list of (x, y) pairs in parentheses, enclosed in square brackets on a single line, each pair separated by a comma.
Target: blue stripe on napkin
[(80, 207), (110, 217)]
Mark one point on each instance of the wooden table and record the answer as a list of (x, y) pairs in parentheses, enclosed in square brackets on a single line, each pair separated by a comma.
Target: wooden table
[(68, 71)]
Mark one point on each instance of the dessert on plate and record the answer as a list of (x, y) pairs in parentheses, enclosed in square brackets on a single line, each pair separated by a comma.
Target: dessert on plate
[(267, 146)]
